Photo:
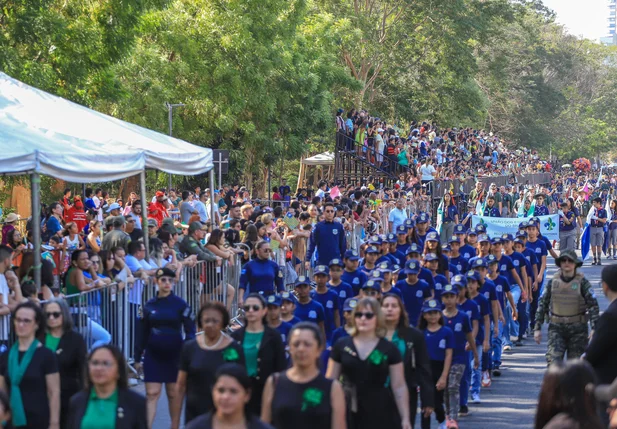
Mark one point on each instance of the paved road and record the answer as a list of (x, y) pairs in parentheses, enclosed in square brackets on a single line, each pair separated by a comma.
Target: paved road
[(511, 401)]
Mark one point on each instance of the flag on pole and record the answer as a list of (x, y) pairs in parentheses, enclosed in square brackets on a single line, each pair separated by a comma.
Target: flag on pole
[(440, 216), (335, 192), (586, 235)]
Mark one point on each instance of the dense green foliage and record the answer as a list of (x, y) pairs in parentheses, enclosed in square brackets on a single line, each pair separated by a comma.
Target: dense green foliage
[(264, 77)]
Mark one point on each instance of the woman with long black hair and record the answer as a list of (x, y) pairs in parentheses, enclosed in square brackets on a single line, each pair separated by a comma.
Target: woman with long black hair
[(263, 348)]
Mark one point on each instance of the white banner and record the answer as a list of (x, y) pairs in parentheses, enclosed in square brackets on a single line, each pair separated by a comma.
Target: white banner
[(496, 226)]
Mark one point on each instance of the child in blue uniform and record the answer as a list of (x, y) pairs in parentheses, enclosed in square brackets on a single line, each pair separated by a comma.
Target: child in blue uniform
[(401, 240), (328, 299), (468, 250), (307, 309), (386, 271), (342, 289), (456, 258), (415, 252), (288, 306), (371, 254), (372, 289), (482, 338), (457, 321), (439, 343), (274, 317), (431, 261), (352, 275), (343, 331), (414, 290)]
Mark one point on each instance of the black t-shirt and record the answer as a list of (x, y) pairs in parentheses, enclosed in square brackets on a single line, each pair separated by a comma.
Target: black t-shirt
[(33, 385), (200, 366)]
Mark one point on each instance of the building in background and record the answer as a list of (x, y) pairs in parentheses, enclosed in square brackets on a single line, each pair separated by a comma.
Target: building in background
[(611, 39)]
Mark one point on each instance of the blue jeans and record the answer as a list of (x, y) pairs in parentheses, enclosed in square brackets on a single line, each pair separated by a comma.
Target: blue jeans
[(513, 324), (507, 314), (497, 343), (466, 380), (476, 374), (523, 317)]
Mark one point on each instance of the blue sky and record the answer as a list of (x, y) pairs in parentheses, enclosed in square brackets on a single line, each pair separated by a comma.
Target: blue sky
[(587, 18)]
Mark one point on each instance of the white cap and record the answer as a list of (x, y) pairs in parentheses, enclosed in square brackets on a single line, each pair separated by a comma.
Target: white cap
[(380, 130)]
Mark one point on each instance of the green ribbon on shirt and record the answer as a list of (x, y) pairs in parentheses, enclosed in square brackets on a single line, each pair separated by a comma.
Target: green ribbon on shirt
[(16, 373)]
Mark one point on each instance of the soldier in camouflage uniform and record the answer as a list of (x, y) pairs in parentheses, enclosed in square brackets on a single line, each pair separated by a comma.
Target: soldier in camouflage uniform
[(567, 300)]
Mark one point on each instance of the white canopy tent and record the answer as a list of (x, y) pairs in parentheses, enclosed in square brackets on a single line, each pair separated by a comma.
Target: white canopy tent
[(326, 158), (41, 133)]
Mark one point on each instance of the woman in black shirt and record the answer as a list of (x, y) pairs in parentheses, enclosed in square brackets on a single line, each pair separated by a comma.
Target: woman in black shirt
[(200, 359), (29, 371), (70, 350), (231, 393), (364, 361), (301, 397)]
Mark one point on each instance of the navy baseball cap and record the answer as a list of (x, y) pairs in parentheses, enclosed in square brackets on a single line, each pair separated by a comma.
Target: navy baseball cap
[(507, 237), (460, 229), (471, 231), (412, 267), (350, 304), (422, 218), (288, 296), (483, 238), (459, 281), (472, 275), (449, 290), (336, 262), (453, 240), (274, 300), (409, 223), (523, 224), (430, 257), (479, 263), (375, 240), (491, 259), (352, 255), (413, 248), (321, 269), (480, 228), (446, 248), (431, 305), (302, 280), (391, 238), (385, 267), (374, 284), (497, 240), (519, 241), (401, 229), (376, 275), (521, 234), (432, 236), (372, 249), (535, 220)]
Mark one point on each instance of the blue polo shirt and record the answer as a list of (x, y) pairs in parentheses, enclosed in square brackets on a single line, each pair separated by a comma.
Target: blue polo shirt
[(356, 279), (437, 342), (484, 308), (312, 311), (460, 325), (413, 297)]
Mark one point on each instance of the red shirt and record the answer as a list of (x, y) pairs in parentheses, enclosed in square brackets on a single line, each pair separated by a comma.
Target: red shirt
[(158, 212)]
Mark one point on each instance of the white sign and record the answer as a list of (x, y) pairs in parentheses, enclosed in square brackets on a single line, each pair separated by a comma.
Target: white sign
[(497, 226)]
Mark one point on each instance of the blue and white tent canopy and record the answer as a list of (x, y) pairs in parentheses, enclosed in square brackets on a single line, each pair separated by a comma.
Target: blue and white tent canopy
[(43, 133)]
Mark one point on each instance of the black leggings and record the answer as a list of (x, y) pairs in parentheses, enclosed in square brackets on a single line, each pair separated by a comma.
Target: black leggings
[(440, 412)]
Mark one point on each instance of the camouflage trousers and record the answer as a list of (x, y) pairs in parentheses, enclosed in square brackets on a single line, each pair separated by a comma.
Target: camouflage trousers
[(570, 338)]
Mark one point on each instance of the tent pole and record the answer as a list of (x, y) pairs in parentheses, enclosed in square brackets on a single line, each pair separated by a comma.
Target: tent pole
[(144, 212), (212, 208), (35, 189)]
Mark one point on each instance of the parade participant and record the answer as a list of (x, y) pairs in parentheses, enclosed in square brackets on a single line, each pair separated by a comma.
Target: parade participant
[(264, 351), (327, 238), (567, 227), (598, 220), (459, 323), (439, 343), (231, 392), (491, 210), (450, 218), (502, 292), (541, 209), (484, 248), (456, 257), (432, 245), (482, 337), (307, 309), (364, 361), (414, 252), (352, 274), (342, 289), (273, 317), (260, 275), (288, 306), (397, 257), (538, 247), (402, 243), (384, 272), (565, 303), (201, 357), (328, 299), (344, 330), (29, 372), (431, 261), (70, 349), (412, 346), (532, 273), (470, 308), (547, 242), (107, 401), (371, 289), (302, 397), (371, 255), (564, 385), (414, 290), (164, 318), (468, 249), (612, 231), (421, 230)]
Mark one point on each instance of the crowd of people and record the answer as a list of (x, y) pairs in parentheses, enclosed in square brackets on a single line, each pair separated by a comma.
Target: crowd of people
[(356, 306)]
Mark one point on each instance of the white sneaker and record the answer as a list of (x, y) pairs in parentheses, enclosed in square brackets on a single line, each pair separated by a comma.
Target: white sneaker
[(475, 398)]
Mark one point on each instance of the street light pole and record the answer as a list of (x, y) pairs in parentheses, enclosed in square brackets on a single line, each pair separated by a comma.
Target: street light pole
[(170, 111)]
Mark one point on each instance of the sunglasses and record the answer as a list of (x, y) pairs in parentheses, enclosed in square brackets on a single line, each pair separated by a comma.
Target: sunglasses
[(367, 315), (253, 307), (53, 314)]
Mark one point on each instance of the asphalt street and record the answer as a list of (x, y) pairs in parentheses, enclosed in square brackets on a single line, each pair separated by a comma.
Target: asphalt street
[(510, 402)]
